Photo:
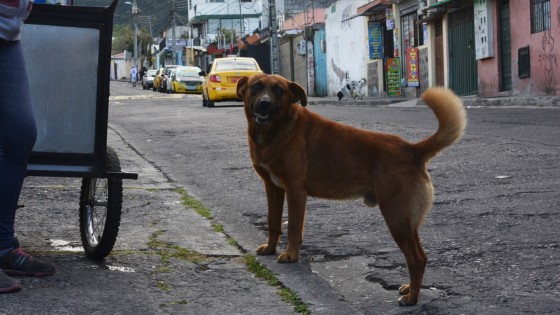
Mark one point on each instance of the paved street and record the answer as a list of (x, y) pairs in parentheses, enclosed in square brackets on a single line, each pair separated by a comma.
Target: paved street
[(492, 236)]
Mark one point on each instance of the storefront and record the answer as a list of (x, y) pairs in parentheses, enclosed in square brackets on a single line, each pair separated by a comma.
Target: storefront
[(384, 68), (412, 37)]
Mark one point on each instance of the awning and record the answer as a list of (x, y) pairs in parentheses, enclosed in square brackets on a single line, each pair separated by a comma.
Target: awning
[(370, 8), (449, 4), (430, 17), (439, 3)]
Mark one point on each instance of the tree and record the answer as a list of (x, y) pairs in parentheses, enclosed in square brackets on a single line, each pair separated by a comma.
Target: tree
[(228, 34), (123, 39)]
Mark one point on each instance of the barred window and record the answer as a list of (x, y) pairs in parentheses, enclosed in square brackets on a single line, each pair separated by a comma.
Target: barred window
[(412, 36), (540, 15)]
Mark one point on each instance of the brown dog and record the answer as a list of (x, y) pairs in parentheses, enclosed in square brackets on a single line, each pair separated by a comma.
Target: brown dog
[(298, 153)]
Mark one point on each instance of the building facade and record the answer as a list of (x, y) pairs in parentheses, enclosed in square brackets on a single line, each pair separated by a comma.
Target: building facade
[(488, 48)]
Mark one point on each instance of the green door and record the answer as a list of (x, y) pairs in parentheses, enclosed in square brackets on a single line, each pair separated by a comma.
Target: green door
[(505, 47), (463, 73)]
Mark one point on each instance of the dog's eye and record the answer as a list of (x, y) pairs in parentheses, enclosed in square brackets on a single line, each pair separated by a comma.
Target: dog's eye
[(256, 87), (278, 90)]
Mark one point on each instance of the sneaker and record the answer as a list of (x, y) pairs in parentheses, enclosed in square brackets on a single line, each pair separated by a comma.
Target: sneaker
[(8, 284), (18, 263)]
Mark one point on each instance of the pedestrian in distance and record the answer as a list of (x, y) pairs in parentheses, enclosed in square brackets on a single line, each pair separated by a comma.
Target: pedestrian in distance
[(133, 76), (142, 73), (17, 138)]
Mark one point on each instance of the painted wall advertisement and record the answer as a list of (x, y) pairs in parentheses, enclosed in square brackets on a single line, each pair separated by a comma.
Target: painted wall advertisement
[(412, 67), (483, 33), (375, 41), (393, 71)]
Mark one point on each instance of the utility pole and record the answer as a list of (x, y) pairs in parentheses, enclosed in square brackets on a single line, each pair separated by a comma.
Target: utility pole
[(275, 67), (135, 20), (174, 39), (240, 23)]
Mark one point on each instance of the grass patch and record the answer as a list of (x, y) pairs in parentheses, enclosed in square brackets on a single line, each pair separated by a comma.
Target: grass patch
[(168, 304), (194, 204), (253, 265), (153, 241), (163, 286), (287, 295), (167, 250), (163, 269), (218, 228), (153, 223), (232, 242)]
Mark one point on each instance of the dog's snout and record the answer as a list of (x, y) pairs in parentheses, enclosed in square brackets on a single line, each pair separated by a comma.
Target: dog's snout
[(263, 106)]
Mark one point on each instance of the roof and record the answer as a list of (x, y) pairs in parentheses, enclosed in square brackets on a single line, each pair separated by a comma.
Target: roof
[(370, 8), (119, 56)]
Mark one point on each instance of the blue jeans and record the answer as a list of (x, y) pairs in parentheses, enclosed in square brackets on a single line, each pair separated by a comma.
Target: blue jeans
[(17, 134)]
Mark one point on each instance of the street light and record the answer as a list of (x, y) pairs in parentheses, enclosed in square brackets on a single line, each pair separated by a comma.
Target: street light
[(134, 14)]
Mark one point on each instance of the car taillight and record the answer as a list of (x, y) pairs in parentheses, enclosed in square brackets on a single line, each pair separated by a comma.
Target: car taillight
[(215, 78)]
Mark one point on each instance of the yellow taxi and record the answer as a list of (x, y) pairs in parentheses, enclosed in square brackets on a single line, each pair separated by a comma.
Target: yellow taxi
[(157, 80), (186, 79), (220, 79)]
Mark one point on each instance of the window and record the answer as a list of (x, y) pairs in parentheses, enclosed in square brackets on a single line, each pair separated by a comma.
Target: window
[(226, 65), (411, 36), (540, 15), (524, 70)]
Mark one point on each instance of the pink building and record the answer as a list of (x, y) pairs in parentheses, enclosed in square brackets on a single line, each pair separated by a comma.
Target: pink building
[(526, 49)]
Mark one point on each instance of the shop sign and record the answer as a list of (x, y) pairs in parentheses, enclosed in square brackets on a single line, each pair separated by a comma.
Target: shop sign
[(412, 67), (393, 71), (375, 36)]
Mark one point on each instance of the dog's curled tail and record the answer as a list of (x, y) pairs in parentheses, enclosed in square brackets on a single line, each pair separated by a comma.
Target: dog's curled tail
[(451, 115)]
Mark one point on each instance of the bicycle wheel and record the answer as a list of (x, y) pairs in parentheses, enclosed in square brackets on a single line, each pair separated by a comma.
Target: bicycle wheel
[(100, 211)]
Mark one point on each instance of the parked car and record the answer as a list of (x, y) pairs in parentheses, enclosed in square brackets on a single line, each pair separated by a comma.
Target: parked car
[(157, 80), (166, 84), (186, 80), (148, 79), (160, 81), (221, 76)]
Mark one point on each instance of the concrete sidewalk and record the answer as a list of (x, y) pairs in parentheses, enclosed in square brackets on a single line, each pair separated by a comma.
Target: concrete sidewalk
[(167, 259), (468, 101)]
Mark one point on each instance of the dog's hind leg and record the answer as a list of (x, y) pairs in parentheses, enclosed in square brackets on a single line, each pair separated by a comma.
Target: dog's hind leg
[(406, 237), (275, 199), (404, 220)]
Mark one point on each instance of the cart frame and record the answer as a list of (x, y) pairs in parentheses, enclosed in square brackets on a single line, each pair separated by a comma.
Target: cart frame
[(72, 119)]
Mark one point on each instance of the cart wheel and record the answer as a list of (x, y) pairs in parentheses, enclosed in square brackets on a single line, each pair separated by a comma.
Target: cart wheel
[(100, 211)]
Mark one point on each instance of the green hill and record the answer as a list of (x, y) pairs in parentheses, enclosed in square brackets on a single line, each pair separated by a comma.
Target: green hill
[(154, 13)]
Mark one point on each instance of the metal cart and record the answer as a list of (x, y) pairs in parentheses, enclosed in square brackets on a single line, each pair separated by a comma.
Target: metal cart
[(68, 53)]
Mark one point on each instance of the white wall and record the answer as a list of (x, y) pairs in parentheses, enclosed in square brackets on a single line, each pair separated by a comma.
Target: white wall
[(228, 7), (347, 44)]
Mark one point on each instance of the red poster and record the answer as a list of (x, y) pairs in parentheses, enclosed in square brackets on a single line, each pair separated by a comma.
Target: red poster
[(412, 64)]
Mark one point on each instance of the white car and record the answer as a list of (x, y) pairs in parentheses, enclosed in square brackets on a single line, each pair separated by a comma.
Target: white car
[(148, 79)]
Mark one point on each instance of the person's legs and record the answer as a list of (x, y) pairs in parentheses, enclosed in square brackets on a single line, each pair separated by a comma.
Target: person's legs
[(17, 137)]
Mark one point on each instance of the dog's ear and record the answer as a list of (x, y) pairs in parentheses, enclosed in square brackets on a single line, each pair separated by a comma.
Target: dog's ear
[(297, 94), (241, 86)]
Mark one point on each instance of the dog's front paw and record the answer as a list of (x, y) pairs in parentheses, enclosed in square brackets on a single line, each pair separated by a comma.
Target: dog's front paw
[(266, 249), (407, 300), (286, 257)]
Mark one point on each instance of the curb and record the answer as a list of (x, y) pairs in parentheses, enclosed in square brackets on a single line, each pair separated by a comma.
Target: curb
[(468, 101)]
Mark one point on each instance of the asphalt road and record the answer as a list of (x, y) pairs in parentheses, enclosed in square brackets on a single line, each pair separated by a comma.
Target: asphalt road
[(492, 236)]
